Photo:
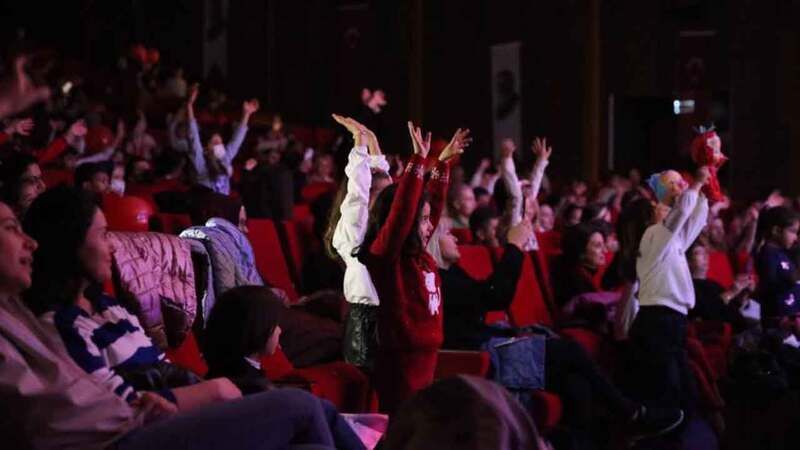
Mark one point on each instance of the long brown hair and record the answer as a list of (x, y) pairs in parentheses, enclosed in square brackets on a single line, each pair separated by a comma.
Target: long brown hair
[(333, 219)]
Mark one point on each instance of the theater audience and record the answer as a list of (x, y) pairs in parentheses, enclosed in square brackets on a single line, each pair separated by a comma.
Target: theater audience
[(566, 368), (57, 404)]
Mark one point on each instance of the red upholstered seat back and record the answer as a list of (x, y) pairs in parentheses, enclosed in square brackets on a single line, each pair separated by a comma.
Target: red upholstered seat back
[(529, 305), (127, 213), (270, 260), (54, 177), (188, 356), (720, 268), (463, 235), (276, 366), (297, 243), (313, 191), (476, 261)]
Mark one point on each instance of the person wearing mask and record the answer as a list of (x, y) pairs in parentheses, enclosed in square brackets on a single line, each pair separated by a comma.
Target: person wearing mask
[(213, 163)]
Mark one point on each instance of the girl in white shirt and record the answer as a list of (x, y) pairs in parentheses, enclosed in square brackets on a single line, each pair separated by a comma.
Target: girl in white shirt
[(345, 234)]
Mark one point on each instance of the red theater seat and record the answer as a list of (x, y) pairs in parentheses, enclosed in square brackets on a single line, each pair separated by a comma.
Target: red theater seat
[(270, 260), (127, 213), (313, 191), (463, 235), (54, 177), (188, 356), (342, 384), (461, 362), (324, 137), (529, 306), (297, 245), (720, 268)]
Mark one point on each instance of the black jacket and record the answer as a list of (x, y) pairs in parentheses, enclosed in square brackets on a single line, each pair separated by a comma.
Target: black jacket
[(467, 300)]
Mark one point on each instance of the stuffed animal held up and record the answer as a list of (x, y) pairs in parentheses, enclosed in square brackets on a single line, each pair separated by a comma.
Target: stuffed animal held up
[(706, 150)]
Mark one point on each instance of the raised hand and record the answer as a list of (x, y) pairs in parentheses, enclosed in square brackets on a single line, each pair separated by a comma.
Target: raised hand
[(193, 91), (372, 143), (22, 127), (520, 233), (359, 132), (703, 175), (541, 149), (250, 106), (457, 144), (484, 164), (421, 146), (250, 164), (507, 148)]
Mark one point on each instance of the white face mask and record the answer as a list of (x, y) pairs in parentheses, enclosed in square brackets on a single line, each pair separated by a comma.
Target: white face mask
[(219, 151), (118, 186)]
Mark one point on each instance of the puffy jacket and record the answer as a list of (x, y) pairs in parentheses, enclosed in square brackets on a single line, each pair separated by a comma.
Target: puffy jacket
[(156, 271), (232, 259)]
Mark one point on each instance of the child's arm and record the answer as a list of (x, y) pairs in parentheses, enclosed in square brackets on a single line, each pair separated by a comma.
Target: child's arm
[(59, 144), (352, 225), (508, 172), (479, 171), (542, 152), (696, 222), (248, 109), (440, 176), (497, 292), (196, 147), (403, 212)]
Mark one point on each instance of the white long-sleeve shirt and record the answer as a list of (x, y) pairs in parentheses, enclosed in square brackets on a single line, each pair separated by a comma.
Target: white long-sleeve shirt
[(349, 232), (662, 268), (508, 172)]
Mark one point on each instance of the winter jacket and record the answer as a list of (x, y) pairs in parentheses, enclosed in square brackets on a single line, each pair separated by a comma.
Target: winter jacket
[(232, 259), (156, 271)]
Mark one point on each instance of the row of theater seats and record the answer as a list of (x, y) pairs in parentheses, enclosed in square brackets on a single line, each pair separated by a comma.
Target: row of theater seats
[(280, 250)]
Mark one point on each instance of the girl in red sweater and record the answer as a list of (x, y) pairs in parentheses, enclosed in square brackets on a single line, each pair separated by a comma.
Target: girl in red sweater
[(406, 278)]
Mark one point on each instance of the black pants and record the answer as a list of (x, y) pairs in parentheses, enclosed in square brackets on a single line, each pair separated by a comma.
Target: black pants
[(659, 363), (577, 380)]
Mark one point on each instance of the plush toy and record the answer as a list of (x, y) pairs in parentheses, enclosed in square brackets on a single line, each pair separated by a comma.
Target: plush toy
[(706, 150)]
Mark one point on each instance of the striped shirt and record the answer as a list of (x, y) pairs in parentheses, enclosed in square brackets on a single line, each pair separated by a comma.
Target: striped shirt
[(106, 342)]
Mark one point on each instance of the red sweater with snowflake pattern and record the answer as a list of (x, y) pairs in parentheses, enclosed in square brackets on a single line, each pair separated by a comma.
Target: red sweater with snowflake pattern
[(410, 312)]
